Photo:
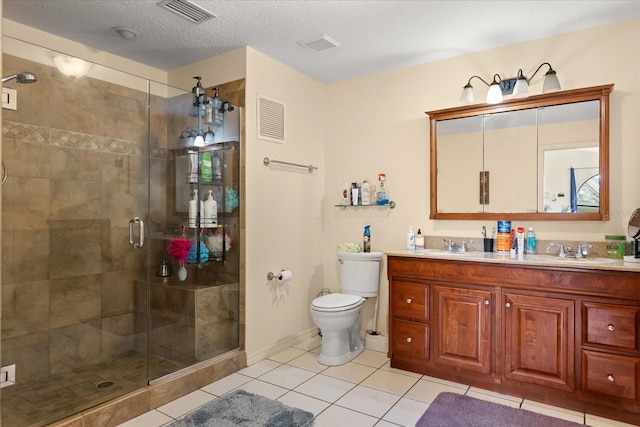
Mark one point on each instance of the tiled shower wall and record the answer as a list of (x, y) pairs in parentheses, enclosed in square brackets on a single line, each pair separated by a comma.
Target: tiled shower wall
[(76, 155)]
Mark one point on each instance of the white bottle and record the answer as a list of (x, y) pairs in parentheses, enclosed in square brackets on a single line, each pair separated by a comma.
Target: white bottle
[(366, 193), (210, 211), (193, 210), (419, 239), (520, 241), (411, 242)]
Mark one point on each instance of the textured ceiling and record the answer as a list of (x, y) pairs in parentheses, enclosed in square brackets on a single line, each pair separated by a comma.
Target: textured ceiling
[(375, 36)]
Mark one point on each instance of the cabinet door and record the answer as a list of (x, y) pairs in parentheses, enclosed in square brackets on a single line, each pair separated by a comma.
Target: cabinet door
[(539, 340), (463, 328)]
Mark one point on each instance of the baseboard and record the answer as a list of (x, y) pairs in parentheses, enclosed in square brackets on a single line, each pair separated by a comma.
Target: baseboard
[(281, 345)]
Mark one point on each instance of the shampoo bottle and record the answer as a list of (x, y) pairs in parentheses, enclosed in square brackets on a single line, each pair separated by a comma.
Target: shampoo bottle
[(411, 243), (206, 171), (194, 213), (365, 189), (210, 212), (366, 247)]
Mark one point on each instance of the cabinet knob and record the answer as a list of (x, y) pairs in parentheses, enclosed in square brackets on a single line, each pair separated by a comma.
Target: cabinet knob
[(409, 339), (409, 300), (611, 378), (486, 302), (507, 304), (611, 328)]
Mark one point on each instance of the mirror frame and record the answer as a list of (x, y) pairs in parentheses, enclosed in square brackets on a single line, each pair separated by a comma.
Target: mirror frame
[(597, 93)]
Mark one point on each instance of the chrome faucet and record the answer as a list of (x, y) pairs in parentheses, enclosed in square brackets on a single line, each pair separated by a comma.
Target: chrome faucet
[(452, 246), (561, 252), (581, 251)]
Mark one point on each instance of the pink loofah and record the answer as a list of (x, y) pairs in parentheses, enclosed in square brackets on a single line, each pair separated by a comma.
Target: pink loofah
[(179, 249)]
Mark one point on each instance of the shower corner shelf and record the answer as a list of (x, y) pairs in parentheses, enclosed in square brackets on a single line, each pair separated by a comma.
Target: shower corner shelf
[(389, 205)]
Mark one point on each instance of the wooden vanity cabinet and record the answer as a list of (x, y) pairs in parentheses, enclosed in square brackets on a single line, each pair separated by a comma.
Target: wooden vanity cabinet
[(564, 336)]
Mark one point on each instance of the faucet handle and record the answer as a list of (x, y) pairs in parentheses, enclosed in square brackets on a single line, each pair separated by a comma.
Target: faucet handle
[(463, 248), (561, 252), (583, 250)]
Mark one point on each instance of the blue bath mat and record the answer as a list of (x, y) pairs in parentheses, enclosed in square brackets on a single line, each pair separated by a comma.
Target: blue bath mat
[(244, 409)]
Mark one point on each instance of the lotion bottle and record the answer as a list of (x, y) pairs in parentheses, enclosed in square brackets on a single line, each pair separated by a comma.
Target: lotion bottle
[(210, 211), (411, 243), (419, 240), (193, 210)]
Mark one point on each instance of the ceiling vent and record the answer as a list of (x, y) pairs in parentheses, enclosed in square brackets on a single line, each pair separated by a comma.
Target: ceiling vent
[(318, 43), (270, 120), (187, 10)]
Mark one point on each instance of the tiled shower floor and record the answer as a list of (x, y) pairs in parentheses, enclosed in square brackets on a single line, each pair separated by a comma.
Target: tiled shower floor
[(39, 402)]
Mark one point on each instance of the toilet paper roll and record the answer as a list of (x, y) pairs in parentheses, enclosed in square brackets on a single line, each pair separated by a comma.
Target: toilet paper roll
[(284, 276)]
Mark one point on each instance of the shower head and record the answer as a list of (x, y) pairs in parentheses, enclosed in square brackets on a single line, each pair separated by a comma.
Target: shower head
[(21, 77)]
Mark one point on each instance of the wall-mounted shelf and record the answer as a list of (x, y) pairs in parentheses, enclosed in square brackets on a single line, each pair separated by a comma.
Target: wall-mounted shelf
[(389, 205)]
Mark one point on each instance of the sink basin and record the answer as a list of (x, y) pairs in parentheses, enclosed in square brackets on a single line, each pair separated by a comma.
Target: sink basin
[(441, 252), (576, 261)]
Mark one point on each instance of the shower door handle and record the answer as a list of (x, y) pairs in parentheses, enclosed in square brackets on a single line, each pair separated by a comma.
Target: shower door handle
[(140, 241)]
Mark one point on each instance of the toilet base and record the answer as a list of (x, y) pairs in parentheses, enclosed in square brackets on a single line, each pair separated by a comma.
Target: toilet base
[(339, 360), (342, 345)]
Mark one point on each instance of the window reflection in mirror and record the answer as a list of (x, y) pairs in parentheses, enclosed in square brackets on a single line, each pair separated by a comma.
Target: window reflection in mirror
[(569, 138)]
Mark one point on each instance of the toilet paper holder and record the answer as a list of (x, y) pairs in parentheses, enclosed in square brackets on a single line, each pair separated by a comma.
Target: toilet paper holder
[(279, 276)]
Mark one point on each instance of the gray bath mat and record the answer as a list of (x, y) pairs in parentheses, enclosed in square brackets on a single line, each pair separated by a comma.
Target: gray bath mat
[(244, 409), (457, 410)]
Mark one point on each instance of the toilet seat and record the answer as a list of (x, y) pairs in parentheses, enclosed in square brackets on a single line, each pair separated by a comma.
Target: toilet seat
[(336, 302)]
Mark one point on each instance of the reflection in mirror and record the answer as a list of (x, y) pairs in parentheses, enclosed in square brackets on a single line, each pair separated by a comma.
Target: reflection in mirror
[(460, 149), (569, 144), (510, 152), (634, 232)]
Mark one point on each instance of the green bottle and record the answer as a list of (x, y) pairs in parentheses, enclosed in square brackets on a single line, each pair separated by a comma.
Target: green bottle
[(206, 168)]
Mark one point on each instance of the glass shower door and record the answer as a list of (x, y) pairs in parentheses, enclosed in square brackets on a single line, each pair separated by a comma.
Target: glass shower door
[(74, 291)]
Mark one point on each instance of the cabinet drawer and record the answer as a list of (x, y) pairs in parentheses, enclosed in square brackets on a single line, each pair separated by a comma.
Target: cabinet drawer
[(613, 325), (411, 300), (411, 339), (610, 374)]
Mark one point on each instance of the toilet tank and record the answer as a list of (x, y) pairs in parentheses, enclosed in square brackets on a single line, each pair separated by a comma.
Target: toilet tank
[(360, 273)]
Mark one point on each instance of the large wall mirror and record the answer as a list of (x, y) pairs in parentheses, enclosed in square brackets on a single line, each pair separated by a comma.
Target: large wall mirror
[(545, 157)]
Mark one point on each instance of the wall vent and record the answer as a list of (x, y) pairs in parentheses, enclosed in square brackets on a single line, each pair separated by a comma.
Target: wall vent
[(187, 10), (271, 121)]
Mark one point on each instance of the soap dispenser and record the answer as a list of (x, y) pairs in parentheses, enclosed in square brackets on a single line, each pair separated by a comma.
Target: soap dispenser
[(210, 212)]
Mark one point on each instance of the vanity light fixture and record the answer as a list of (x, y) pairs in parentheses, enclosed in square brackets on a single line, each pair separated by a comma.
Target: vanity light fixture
[(519, 86), (551, 82)]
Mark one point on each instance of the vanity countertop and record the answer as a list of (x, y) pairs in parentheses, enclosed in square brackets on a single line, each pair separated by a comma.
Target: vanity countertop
[(594, 263)]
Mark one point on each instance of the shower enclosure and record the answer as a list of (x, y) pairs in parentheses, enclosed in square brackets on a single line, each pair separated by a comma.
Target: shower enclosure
[(86, 314)]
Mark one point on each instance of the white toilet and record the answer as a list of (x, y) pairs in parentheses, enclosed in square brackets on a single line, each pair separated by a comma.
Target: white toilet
[(338, 314)]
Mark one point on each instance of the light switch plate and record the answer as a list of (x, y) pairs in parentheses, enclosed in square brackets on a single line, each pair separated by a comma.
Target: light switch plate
[(8, 375), (9, 98)]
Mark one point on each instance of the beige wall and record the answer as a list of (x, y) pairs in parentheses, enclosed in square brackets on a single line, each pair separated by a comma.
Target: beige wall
[(377, 124), (284, 207)]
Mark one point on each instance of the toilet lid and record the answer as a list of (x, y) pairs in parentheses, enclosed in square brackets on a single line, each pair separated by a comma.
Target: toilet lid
[(336, 302)]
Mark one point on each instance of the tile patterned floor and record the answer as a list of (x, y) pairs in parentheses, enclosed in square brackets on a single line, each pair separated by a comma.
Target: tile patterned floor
[(364, 392)]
